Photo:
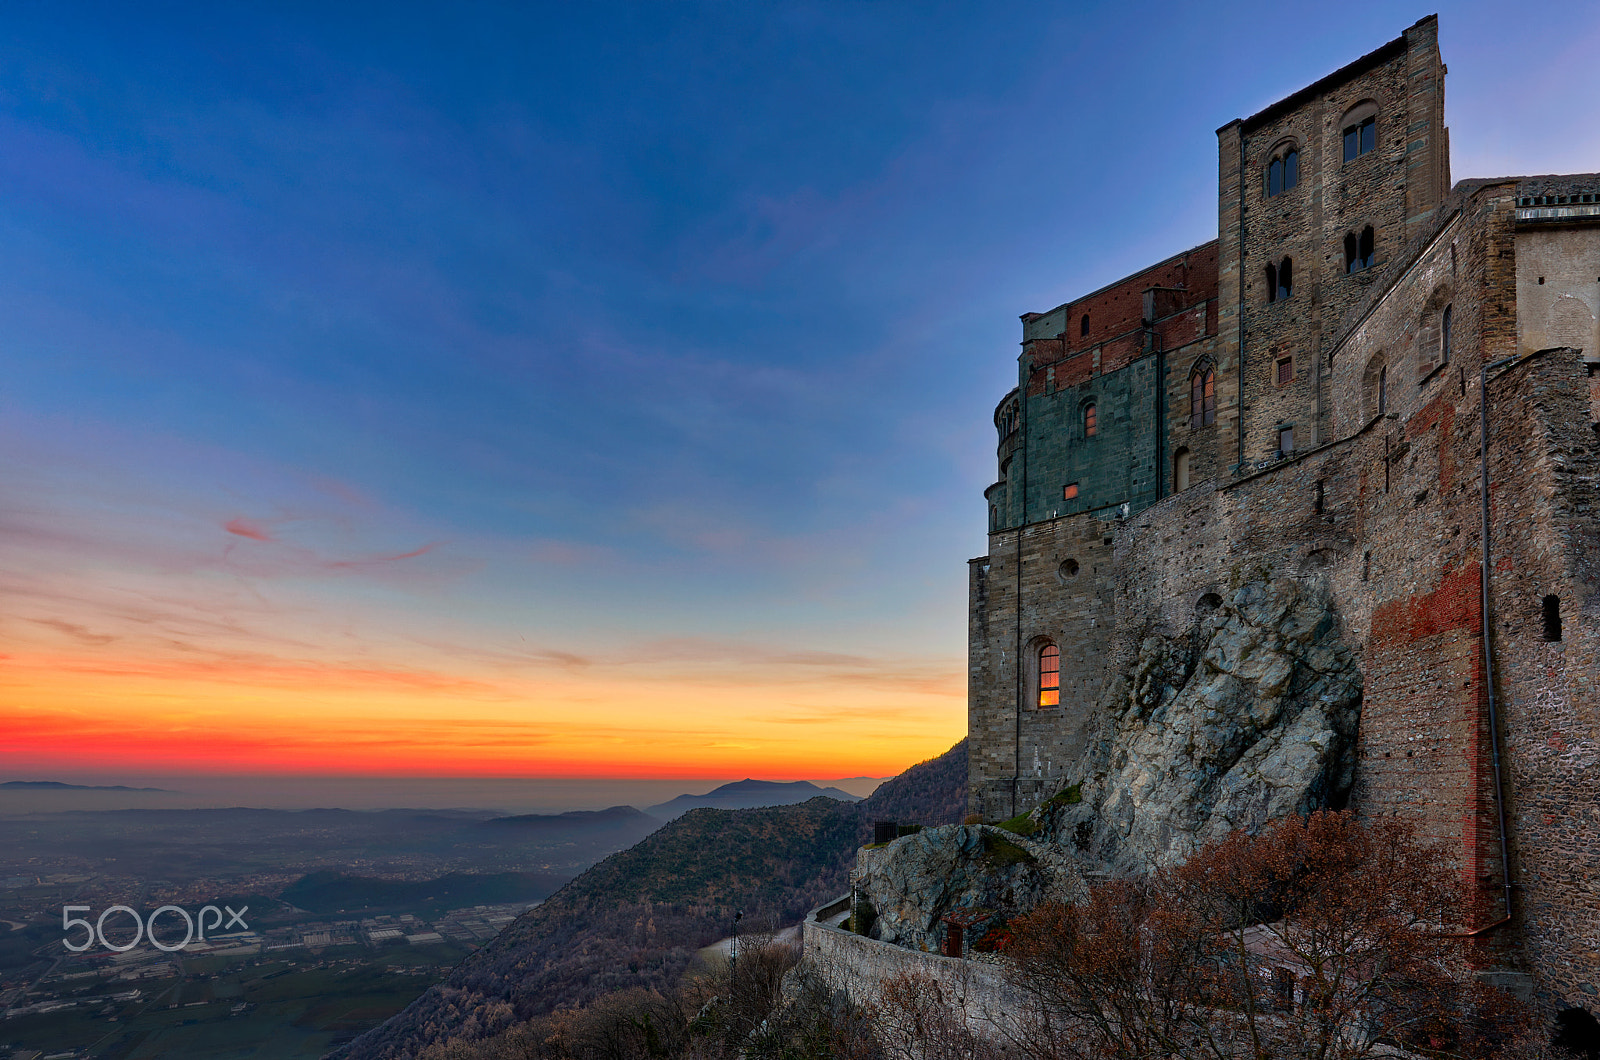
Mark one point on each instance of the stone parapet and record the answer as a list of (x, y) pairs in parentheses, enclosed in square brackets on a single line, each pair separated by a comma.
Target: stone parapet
[(859, 966)]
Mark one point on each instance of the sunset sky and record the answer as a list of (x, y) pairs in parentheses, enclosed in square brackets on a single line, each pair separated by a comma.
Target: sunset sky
[(580, 389)]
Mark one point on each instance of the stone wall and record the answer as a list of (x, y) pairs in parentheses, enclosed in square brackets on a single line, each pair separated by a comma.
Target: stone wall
[(857, 966), (1144, 331), (1558, 289), (1545, 472), (1016, 757)]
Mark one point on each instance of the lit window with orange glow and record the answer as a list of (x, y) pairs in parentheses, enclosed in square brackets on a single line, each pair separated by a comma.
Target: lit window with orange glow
[(1049, 676), (1089, 420)]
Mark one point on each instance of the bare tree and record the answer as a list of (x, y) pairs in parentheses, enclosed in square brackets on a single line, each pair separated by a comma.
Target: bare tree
[(1321, 938), (1119, 976), (914, 1018)]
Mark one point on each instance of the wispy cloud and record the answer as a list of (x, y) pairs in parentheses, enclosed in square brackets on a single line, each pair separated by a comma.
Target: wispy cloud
[(246, 528), (369, 561), (74, 630)]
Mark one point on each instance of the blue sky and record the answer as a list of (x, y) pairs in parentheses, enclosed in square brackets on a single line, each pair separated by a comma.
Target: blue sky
[(616, 338)]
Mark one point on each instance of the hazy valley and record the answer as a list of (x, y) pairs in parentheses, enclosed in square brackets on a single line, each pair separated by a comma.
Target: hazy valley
[(347, 916)]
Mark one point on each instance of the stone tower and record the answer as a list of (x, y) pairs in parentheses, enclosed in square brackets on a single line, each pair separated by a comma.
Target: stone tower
[(1316, 195)]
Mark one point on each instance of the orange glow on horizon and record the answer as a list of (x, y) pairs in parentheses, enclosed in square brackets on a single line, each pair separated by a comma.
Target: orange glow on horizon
[(93, 712)]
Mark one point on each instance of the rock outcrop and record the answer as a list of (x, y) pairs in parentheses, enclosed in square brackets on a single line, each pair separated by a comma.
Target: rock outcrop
[(1249, 717), (981, 874)]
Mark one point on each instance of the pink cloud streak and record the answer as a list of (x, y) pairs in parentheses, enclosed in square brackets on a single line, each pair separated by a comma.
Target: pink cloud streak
[(245, 528)]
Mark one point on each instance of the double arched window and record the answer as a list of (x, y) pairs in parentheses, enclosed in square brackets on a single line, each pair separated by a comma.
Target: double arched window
[(1360, 130), (1283, 172), (1358, 250), (1049, 676), (1280, 280), (1203, 395)]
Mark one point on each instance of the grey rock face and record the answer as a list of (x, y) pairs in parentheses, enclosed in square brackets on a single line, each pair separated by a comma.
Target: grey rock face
[(979, 871), (1250, 718)]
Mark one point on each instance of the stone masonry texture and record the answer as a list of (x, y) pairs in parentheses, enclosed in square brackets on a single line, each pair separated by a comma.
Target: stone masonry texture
[(1377, 508)]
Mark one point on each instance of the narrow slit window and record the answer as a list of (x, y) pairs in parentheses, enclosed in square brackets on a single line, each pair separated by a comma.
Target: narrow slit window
[(1180, 471), (1285, 279), (1365, 247), (1551, 613), (1203, 397), (1383, 390), (1049, 676), (1444, 336), (1083, 325), (1272, 282)]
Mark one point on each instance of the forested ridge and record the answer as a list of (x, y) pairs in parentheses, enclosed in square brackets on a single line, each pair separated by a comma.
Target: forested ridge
[(638, 917)]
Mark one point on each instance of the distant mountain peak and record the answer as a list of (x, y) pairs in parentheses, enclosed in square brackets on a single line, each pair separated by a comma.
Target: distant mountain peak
[(747, 794)]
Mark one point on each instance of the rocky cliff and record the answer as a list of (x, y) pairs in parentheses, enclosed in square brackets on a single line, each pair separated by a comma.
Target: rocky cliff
[(980, 874), (1247, 716)]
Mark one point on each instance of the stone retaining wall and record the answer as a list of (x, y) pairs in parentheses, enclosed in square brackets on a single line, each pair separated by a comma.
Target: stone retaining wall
[(857, 965)]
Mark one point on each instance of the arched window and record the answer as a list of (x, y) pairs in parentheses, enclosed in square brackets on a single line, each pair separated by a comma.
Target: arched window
[(1203, 395), (1358, 250), (1005, 421), (1375, 387), (1360, 130), (1434, 338), (1049, 676), (1180, 471), (1083, 325), (1283, 172), (1089, 420)]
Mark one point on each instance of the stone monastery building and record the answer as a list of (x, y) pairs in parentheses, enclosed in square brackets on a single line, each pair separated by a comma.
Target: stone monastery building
[(1376, 386)]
